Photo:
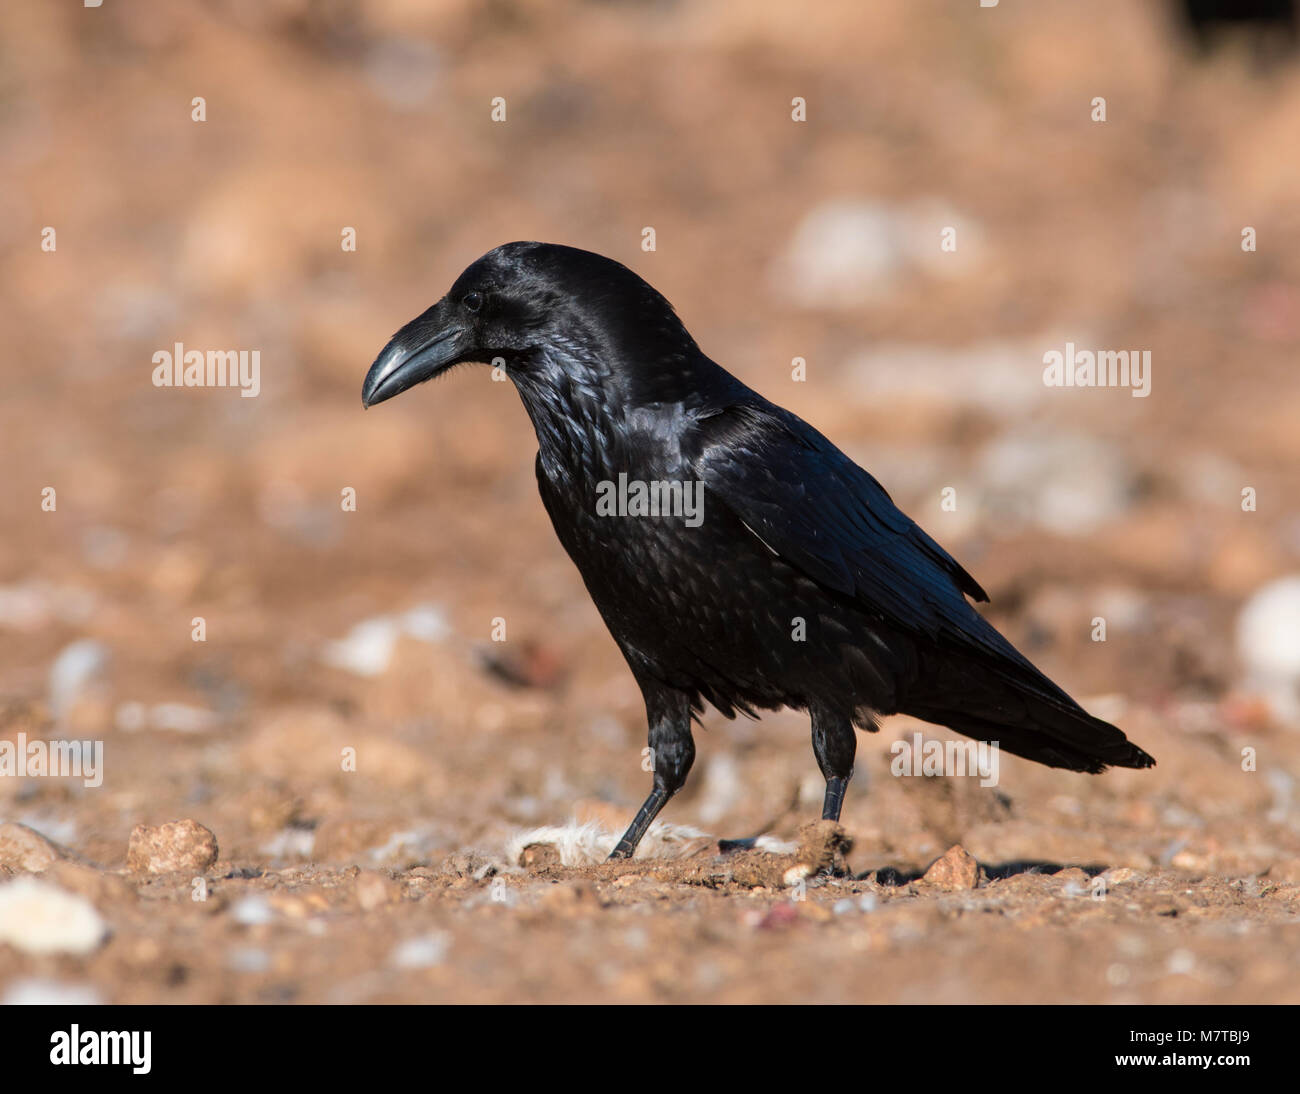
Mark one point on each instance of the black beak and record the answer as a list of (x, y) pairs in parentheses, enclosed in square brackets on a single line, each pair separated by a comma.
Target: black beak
[(421, 350)]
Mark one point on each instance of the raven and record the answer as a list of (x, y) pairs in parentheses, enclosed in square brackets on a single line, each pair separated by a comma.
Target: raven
[(1270, 20), (802, 585)]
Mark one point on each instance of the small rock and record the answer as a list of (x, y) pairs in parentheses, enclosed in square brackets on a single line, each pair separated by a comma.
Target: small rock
[(956, 870), (180, 846), (39, 918), (25, 850)]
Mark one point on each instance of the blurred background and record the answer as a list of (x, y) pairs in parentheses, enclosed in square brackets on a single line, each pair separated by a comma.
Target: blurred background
[(326, 628)]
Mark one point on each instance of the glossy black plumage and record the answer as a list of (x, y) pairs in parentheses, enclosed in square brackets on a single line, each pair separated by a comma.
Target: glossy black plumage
[(802, 585)]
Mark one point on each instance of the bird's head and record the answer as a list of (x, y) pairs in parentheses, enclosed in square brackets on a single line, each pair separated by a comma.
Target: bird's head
[(557, 319)]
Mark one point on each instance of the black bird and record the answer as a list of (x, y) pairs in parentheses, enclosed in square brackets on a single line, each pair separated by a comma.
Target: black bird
[(1271, 23), (802, 585)]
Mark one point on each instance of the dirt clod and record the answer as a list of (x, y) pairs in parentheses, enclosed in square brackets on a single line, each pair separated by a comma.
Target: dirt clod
[(823, 845)]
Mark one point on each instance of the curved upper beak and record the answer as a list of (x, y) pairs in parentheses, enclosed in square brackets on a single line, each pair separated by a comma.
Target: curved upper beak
[(419, 351)]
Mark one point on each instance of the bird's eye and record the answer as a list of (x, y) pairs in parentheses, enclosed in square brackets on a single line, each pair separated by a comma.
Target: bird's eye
[(473, 301)]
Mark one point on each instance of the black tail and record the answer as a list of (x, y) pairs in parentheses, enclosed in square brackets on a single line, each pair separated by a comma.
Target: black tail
[(1026, 714)]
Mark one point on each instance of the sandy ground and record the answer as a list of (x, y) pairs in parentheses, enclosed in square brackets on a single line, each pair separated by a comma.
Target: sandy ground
[(362, 750)]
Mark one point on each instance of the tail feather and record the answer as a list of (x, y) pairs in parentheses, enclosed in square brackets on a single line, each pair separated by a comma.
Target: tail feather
[(1029, 716)]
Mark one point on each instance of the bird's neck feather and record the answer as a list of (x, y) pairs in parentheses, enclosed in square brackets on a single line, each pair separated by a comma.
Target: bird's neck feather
[(593, 422)]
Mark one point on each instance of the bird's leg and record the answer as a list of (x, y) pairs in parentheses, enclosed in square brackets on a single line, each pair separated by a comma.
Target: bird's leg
[(834, 745), (672, 748)]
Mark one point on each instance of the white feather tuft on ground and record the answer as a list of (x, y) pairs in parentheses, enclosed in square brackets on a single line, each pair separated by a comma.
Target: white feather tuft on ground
[(585, 844), (575, 844)]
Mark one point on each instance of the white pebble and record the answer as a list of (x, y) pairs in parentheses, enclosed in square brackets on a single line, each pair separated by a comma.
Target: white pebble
[(1268, 644), (39, 918), (252, 910), (367, 649)]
